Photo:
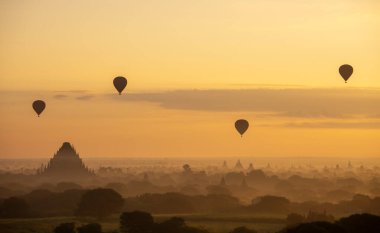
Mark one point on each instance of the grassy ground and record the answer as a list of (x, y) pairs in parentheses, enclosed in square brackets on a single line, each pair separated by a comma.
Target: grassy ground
[(213, 223)]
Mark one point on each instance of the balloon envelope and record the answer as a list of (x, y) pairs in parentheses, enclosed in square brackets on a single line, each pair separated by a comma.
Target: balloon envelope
[(241, 126), (120, 83), (346, 71), (39, 106)]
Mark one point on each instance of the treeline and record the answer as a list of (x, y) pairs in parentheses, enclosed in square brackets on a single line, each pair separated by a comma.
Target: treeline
[(357, 223), (44, 203), (143, 222), (180, 203), (243, 185), (41, 203), (135, 222)]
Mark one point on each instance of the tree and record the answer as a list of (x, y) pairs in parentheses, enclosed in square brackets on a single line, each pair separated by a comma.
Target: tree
[(270, 204), (14, 207), (173, 225), (100, 203), (242, 230), (357, 223), (166, 203), (90, 228), (45, 203), (294, 219), (136, 222), (63, 186), (375, 206), (361, 223), (218, 190), (176, 225), (315, 227), (65, 228), (319, 217), (187, 169)]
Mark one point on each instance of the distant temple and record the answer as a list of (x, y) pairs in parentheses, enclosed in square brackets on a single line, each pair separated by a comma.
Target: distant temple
[(250, 168), (238, 165), (65, 165)]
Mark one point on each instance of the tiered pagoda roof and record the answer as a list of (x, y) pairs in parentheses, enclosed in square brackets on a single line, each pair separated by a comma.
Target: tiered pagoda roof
[(66, 164)]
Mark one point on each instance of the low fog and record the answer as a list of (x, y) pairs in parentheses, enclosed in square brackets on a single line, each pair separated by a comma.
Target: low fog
[(298, 180)]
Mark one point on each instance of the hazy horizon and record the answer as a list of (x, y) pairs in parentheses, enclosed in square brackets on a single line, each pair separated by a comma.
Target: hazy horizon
[(193, 69)]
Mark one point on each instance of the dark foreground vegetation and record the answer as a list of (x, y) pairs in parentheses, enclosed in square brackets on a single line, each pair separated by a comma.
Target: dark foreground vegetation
[(142, 222), (96, 205), (103, 202)]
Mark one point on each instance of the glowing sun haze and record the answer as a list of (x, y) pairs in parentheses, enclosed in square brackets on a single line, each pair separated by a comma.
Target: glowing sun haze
[(193, 68)]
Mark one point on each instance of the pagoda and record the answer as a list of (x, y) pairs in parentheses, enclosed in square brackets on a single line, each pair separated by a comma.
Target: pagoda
[(238, 165), (65, 165)]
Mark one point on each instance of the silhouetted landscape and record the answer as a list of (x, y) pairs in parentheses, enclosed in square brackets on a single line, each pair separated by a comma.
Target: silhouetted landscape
[(65, 193)]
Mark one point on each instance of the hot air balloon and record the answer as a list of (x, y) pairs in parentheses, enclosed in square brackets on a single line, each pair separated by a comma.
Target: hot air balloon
[(241, 126), (39, 106), (346, 71), (120, 83)]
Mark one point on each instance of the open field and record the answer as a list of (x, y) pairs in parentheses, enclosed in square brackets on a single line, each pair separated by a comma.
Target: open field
[(213, 223)]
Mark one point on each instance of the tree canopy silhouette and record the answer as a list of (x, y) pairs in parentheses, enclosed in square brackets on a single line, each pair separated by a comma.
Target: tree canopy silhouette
[(363, 223), (243, 230), (142, 222), (68, 227), (90, 228), (315, 227), (136, 222), (14, 207), (270, 203), (100, 203)]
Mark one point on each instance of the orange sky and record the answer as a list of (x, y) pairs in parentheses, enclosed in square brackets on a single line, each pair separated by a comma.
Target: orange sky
[(284, 54)]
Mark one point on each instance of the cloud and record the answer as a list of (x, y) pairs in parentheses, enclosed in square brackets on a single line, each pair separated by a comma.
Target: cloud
[(76, 94), (73, 91), (298, 102), (85, 97), (335, 124), (264, 85), (60, 96)]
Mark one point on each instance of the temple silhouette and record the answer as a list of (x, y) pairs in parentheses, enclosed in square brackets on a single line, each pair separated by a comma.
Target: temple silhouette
[(65, 165)]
